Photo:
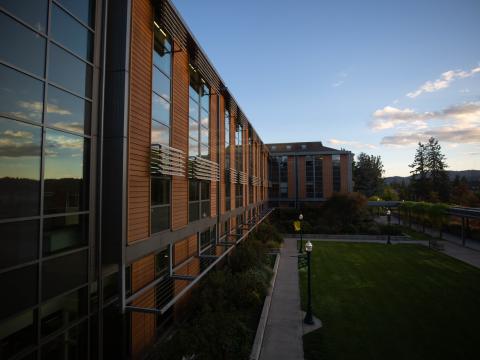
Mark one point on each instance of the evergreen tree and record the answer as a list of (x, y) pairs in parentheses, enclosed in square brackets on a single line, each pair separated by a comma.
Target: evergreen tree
[(436, 165), (419, 174), (367, 174)]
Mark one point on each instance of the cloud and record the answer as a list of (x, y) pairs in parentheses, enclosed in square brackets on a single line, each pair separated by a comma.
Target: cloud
[(391, 117), (351, 144), (338, 83), (341, 76), (458, 124), (18, 134), (446, 134), (443, 82)]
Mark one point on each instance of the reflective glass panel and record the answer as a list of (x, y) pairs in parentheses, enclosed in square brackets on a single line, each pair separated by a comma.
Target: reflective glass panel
[(21, 96), (160, 109), (33, 12), (83, 9), (63, 273), (73, 345), (204, 120), (19, 168), (193, 93), (205, 100), (21, 46), (69, 72), (62, 311), (204, 136), (64, 233), (19, 242), (161, 84), (192, 147), (17, 333), (160, 133), (205, 209), (162, 56), (193, 211), (66, 166), (193, 190), (193, 128), (204, 150), (193, 109), (160, 191), (22, 290), (162, 263), (205, 190), (160, 218), (68, 32), (67, 111)]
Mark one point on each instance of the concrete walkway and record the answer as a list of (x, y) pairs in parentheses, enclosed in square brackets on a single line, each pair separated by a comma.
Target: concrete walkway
[(283, 333)]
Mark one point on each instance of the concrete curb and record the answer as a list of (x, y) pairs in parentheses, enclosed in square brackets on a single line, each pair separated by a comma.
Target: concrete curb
[(262, 323)]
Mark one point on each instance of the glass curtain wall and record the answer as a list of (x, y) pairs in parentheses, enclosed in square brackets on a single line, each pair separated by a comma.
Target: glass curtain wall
[(161, 123), (46, 107), (314, 177)]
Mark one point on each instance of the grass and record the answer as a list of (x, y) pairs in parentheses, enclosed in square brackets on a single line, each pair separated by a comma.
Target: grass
[(417, 235), (401, 301)]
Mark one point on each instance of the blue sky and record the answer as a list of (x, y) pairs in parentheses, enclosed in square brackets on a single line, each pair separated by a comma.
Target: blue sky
[(372, 76)]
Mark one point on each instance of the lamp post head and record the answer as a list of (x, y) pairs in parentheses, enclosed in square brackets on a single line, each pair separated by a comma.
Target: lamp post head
[(389, 212), (300, 217), (308, 246)]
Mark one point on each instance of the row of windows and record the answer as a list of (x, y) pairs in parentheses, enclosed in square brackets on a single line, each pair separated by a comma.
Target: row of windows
[(314, 176)]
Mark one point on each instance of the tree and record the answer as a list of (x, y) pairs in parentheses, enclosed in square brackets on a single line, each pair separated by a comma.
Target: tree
[(367, 174), (419, 174), (436, 166)]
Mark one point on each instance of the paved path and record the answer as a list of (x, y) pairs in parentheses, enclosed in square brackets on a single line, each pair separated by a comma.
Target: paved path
[(283, 333)]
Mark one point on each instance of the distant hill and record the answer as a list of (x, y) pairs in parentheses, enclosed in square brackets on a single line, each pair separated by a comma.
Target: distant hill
[(473, 176)]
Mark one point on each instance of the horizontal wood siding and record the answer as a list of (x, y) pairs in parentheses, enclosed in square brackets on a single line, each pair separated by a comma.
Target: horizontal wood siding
[(222, 154), (139, 122), (180, 82)]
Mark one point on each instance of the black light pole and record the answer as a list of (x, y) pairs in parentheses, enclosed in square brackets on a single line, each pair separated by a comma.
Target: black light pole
[(300, 217), (389, 213), (308, 316)]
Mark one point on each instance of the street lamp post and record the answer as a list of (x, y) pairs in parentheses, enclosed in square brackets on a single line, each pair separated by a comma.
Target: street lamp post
[(389, 213), (308, 316), (300, 217)]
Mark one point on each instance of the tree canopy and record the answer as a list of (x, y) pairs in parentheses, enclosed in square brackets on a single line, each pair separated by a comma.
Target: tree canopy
[(367, 174)]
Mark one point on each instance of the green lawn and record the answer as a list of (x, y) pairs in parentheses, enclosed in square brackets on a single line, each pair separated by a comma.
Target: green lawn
[(392, 302)]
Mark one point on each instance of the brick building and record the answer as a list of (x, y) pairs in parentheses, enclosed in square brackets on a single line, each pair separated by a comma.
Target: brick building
[(307, 173)]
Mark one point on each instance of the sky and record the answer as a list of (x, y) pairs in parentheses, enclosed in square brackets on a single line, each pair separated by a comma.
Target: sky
[(368, 76)]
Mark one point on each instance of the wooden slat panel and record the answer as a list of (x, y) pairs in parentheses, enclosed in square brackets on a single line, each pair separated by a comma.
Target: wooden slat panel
[(139, 124), (180, 81), (327, 176), (222, 154)]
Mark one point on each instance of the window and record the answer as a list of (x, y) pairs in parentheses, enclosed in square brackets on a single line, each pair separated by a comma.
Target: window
[(19, 242), (17, 333), (64, 233), (21, 46), (198, 143), (19, 169), (84, 10), (66, 176), (71, 345), (283, 176), (205, 239), (33, 12), (59, 312), (199, 199), (161, 123), (314, 176), (227, 160), (238, 162), (22, 290), (199, 122), (64, 273), (336, 172), (162, 263)]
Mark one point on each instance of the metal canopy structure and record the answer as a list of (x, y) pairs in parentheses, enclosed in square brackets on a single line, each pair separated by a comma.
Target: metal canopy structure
[(162, 293)]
